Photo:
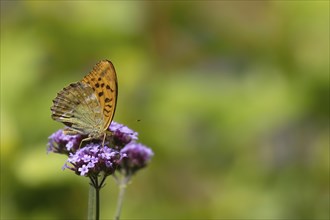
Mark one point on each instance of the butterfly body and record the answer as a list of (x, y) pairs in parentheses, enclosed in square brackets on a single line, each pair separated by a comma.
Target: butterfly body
[(87, 107)]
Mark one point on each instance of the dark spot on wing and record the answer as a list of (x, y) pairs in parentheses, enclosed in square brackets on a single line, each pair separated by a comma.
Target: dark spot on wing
[(102, 85), (103, 72), (99, 79), (109, 88), (107, 100), (69, 124), (97, 85), (100, 94)]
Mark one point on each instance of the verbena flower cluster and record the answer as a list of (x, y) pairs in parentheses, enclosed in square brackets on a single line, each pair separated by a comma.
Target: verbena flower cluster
[(120, 152), (134, 157), (60, 143), (93, 159)]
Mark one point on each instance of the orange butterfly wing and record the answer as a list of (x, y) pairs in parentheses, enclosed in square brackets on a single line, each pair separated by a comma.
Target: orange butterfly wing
[(103, 80)]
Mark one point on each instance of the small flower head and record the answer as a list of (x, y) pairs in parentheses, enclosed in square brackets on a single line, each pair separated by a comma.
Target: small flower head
[(122, 135), (61, 143), (134, 157), (121, 152), (93, 159)]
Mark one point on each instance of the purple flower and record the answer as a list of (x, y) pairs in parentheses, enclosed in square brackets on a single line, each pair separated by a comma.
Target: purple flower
[(61, 143), (88, 161), (122, 135), (83, 170), (134, 157), (120, 152)]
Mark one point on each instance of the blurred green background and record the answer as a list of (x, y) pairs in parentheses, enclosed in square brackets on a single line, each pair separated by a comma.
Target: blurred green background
[(232, 96)]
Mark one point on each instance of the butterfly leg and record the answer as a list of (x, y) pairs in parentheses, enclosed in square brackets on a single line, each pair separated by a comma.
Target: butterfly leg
[(105, 134), (90, 138), (83, 140)]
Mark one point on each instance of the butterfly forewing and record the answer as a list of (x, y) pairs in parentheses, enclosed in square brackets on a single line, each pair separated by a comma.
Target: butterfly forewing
[(103, 80)]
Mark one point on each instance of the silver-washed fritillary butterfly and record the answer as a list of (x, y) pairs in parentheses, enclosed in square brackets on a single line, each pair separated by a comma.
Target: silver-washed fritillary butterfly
[(87, 107)]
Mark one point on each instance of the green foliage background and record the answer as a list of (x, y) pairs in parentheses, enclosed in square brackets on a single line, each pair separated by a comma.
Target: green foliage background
[(232, 96)]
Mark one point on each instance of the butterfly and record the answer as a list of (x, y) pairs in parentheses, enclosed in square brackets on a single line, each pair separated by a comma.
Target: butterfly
[(88, 106)]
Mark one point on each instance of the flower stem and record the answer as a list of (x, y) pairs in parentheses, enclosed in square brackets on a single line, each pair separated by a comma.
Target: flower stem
[(97, 204), (91, 202), (94, 198), (122, 187)]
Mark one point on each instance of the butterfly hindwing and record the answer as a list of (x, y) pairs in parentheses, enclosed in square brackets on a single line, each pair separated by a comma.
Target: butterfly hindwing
[(78, 107)]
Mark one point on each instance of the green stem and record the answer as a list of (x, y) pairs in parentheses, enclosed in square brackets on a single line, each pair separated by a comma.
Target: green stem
[(122, 187), (97, 205), (94, 198), (91, 202)]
